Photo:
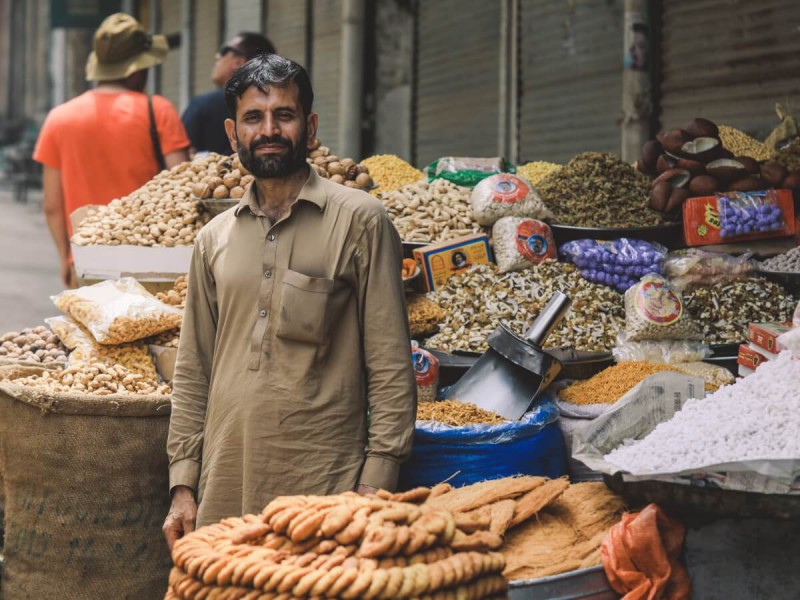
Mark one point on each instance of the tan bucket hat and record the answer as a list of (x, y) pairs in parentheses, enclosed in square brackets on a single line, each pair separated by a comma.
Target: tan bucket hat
[(122, 47)]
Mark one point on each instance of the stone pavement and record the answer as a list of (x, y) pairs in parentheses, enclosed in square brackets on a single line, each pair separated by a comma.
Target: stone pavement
[(29, 268)]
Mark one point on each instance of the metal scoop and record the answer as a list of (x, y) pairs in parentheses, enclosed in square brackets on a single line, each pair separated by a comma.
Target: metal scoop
[(511, 375)]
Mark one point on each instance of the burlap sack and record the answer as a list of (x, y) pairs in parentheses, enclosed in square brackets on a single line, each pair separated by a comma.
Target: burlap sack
[(86, 495)]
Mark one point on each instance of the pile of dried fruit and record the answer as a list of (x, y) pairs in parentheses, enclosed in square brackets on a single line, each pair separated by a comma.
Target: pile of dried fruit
[(430, 212), (424, 316), (537, 170), (163, 212), (177, 295), (345, 546), (343, 171), (598, 190), (34, 344), (477, 301), (788, 262), (725, 309), (390, 172), (452, 412), (741, 144), (99, 379), (224, 177)]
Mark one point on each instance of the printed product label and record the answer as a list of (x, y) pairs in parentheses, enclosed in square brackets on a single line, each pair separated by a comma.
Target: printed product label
[(509, 190), (658, 304), (532, 243)]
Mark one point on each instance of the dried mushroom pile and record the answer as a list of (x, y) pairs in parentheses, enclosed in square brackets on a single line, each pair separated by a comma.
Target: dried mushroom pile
[(345, 546), (478, 301), (33, 344), (430, 212), (598, 190), (165, 211), (724, 310)]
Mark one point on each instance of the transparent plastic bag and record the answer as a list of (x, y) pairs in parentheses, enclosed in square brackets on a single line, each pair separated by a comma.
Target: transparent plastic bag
[(118, 312), (466, 171), (618, 263), (86, 351), (506, 195), (654, 311), (693, 266), (520, 243), (665, 351), (749, 213)]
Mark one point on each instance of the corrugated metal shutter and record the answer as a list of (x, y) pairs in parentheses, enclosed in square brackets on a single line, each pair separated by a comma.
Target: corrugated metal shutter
[(729, 61), (286, 28), (325, 67), (570, 78), (242, 15), (458, 79), (205, 42), (171, 68)]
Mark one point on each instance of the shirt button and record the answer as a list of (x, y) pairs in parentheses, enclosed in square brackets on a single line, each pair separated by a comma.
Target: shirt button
[(263, 313), (267, 274), (271, 237)]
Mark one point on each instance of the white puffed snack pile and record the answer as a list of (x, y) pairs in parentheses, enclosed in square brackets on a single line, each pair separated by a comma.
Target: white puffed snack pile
[(757, 418)]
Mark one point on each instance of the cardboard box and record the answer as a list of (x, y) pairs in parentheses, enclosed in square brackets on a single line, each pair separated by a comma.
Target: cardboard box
[(146, 264), (764, 336), (439, 262), (701, 221), (749, 358)]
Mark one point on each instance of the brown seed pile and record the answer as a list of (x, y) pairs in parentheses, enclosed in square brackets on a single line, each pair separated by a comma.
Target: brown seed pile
[(724, 310), (742, 144), (452, 412), (596, 189), (537, 170), (390, 172), (97, 378)]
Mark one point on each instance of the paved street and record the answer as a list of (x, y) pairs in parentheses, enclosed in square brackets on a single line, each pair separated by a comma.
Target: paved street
[(29, 272)]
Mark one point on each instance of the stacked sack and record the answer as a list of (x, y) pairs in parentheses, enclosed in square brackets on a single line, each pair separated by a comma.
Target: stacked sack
[(345, 546)]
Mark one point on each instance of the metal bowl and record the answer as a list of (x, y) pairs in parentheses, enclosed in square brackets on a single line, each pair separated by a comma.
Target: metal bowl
[(669, 234)]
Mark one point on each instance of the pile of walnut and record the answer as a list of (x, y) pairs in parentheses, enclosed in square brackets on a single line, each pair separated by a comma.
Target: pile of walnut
[(99, 379), (34, 344), (177, 295), (343, 171), (164, 211), (345, 546)]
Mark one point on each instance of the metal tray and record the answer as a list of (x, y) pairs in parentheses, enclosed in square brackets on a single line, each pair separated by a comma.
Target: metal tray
[(700, 502), (669, 234), (790, 281), (586, 584)]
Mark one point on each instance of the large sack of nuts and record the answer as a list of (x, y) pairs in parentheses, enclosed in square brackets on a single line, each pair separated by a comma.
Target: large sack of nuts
[(85, 481)]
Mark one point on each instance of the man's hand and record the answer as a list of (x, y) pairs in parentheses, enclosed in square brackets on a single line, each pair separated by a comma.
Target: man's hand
[(68, 277), (182, 515), (366, 490)]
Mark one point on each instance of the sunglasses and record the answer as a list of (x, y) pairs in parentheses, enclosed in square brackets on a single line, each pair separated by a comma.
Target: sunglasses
[(223, 50)]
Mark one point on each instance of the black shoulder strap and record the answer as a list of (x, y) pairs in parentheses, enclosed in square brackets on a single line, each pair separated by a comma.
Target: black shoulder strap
[(162, 164)]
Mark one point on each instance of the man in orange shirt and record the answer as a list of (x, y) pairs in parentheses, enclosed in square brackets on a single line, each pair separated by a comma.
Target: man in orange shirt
[(111, 140)]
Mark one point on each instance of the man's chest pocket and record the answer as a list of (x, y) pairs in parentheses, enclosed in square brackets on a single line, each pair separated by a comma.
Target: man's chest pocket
[(305, 308)]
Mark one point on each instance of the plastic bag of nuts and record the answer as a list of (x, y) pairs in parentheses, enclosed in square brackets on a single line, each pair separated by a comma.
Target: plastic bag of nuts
[(520, 243), (654, 311), (506, 195), (118, 312)]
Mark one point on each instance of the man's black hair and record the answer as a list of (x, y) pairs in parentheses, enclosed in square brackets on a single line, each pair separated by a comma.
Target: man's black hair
[(269, 70), (252, 44)]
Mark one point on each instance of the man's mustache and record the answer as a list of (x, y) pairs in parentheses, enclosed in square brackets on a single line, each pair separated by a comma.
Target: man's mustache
[(270, 141)]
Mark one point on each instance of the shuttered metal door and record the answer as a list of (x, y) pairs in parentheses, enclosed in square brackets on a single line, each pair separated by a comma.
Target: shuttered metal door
[(242, 15), (286, 28), (458, 79), (730, 61), (570, 78), (325, 70), (205, 42)]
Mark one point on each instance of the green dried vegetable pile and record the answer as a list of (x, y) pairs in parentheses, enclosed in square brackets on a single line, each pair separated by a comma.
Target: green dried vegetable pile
[(596, 189)]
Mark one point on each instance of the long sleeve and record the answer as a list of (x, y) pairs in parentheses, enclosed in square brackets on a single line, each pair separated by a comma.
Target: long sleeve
[(391, 386), (192, 374)]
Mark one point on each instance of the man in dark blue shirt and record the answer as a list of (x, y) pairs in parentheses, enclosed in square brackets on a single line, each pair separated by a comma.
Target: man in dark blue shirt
[(204, 117)]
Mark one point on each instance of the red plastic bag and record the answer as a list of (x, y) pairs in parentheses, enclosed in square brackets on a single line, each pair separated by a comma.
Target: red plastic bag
[(640, 557)]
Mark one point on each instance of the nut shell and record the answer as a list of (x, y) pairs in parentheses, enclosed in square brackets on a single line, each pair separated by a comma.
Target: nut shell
[(660, 196), (747, 184), (703, 185), (700, 127), (726, 169), (676, 199), (676, 178), (674, 140), (665, 163), (773, 173)]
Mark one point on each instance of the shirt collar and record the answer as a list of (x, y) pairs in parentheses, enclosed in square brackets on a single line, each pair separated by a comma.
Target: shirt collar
[(312, 191)]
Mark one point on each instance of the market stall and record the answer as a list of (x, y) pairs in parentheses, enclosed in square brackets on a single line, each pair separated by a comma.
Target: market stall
[(529, 499)]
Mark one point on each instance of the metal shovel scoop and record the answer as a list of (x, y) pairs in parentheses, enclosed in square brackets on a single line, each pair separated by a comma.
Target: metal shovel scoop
[(509, 377)]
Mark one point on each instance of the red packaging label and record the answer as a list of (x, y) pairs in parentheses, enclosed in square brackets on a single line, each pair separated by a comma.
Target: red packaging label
[(765, 335), (535, 241), (509, 189), (749, 358), (657, 303), (701, 221)]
